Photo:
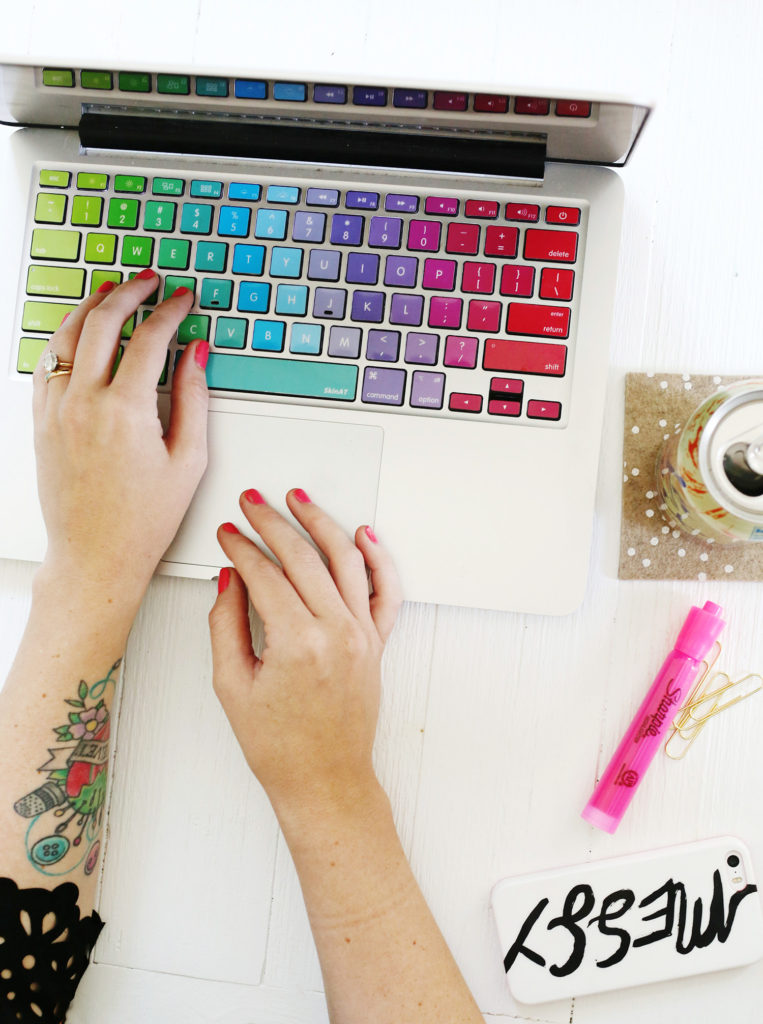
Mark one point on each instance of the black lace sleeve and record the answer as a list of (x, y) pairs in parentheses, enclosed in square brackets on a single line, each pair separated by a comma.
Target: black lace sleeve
[(44, 949)]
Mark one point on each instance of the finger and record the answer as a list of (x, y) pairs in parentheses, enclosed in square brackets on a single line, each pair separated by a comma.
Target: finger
[(233, 657), (387, 593), (345, 560), (187, 431), (302, 565), (144, 357), (101, 330)]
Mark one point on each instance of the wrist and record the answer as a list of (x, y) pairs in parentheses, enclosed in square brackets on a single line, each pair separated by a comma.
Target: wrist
[(64, 593), (360, 804)]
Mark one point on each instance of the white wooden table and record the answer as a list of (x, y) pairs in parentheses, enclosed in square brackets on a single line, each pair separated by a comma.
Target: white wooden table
[(493, 726)]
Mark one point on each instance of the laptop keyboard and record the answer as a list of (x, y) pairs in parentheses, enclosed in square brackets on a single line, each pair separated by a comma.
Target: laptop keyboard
[(413, 302)]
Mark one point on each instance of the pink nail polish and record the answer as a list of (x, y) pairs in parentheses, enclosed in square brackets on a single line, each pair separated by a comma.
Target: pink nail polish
[(201, 355), (371, 535), (300, 495), (182, 290), (223, 580), (145, 274), (107, 286), (254, 497), (63, 321), (229, 528)]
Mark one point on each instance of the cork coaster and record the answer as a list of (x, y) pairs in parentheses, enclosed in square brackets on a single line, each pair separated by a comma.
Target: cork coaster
[(652, 546)]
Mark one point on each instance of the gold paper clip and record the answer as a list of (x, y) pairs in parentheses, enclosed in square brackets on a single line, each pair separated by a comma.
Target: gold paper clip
[(706, 700)]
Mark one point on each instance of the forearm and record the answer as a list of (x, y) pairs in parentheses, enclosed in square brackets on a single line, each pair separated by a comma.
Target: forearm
[(383, 958)]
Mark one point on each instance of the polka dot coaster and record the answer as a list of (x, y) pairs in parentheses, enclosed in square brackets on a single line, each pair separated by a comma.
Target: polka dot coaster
[(653, 547)]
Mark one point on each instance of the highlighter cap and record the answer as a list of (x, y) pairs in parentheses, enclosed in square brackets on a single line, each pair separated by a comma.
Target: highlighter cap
[(700, 631)]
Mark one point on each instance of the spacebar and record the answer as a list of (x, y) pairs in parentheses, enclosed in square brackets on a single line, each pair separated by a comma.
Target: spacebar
[(263, 375)]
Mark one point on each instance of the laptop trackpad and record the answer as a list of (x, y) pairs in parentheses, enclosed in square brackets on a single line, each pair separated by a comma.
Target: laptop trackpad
[(337, 464)]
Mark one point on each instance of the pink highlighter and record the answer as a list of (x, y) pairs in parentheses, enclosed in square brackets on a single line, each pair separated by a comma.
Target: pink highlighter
[(641, 742)]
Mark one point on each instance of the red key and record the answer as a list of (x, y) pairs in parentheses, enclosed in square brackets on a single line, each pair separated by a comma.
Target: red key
[(572, 108), (463, 238), (481, 208), (460, 402), (450, 101), (461, 351), (530, 105), (563, 215), (478, 277), (521, 211), (445, 312), (517, 281), (556, 283), (484, 316), (526, 318), (498, 407), (506, 386), (544, 410), (525, 357), (558, 246), (489, 103), (501, 241)]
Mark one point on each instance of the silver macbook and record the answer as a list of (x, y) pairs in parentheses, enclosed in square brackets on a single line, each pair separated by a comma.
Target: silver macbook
[(407, 290)]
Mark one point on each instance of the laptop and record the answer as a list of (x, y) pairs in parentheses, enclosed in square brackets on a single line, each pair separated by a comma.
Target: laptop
[(407, 290)]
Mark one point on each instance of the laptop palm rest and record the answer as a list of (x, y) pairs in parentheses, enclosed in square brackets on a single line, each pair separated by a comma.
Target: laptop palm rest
[(337, 464)]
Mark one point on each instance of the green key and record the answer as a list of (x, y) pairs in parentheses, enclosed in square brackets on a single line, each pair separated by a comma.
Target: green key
[(91, 181), (171, 283), (96, 80), (137, 251), (99, 276), (30, 350), (159, 216), (215, 294), (87, 210), (211, 256), (168, 186), (55, 179), (196, 220), (134, 81), (100, 248), (50, 209), (174, 254), (152, 299), (178, 85), (61, 77), (163, 378), (211, 86), (128, 328), (267, 375), (123, 213), (50, 244), (129, 183), (194, 326), (65, 282), (230, 332), (44, 317)]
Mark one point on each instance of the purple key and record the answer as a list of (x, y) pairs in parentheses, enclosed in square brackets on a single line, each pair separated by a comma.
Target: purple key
[(324, 264), (309, 227), (329, 94), (424, 234), (329, 303), (421, 348), (401, 204), (367, 306), (407, 309), (384, 232), (441, 205), (369, 96), (383, 387), (322, 197), (383, 346), (362, 268), (346, 229), (344, 342), (410, 98), (427, 389), (362, 201), (444, 312), (400, 271)]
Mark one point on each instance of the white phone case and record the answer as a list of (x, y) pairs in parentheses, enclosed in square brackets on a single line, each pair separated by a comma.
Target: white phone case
[(613, 923)]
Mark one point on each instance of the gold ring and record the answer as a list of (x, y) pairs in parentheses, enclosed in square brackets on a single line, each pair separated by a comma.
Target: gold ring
[(54, 366)]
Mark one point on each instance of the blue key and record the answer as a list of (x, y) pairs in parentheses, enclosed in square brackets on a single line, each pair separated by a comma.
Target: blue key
[(368, 96), (362, 200), (271, 224), (324, 265), (211, 256), (329, 94), (291, 299), (206, 189), (268, 375), (248, 259), (346, 229), (247, 89), (196, 220), (309, 227), (215, 294), (322, 197), (401, 204), (244, 191), (234, 220), (296, 92), (368, 306), (285, 262), (230, 332), (282, 194), (253, 297), (410, 98), (268, 335), (306, 339)]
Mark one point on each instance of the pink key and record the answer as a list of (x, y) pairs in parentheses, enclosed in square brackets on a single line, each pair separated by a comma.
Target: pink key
[(424, 234), (572, 108), (525, 357), (522, 211), (460, 402), (463, 238), (506, 386), (445, 311), (544, 410), (517, 281), (501, 241), (450, 101), (497, 407), (460, 351), (481, 208), (478, 277), (439, 274), (562, 215), (556, 283), (484, 316), (527, 318), (441, 205), (530, 105)]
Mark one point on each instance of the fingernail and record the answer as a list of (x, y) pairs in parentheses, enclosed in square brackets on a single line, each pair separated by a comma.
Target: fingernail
[(229, 528), (107, 286), (254, 497), (300, 495), (182, 290), (223, 580), (64, 318), (145, 274), (201, 355), (371, 535)]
